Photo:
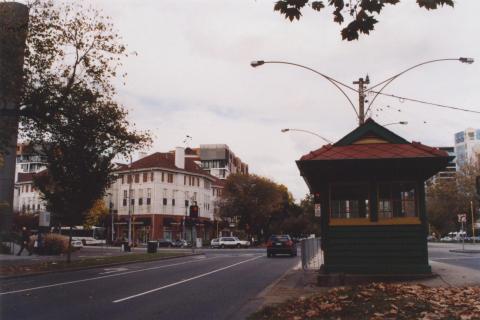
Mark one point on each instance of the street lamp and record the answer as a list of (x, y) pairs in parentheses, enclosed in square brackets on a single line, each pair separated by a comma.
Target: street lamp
[(362, 89), (306, 131), (400, 122)]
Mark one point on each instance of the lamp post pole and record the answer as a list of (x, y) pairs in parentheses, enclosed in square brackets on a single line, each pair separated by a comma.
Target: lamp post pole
[(362, 89)]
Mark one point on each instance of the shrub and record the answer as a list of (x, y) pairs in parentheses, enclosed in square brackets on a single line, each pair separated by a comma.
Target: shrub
[(53, 244)]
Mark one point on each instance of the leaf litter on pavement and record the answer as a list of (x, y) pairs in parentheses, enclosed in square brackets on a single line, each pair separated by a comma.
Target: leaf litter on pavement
[(378, 301)]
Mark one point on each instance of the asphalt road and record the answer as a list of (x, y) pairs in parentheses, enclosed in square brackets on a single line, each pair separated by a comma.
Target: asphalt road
[(441, 252), (221, 284)]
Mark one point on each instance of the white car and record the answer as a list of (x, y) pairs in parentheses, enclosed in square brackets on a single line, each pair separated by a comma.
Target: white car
[(77, 244), (232, 242)]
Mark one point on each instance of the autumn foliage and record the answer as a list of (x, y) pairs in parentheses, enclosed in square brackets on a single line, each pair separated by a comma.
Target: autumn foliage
[(379, 301)]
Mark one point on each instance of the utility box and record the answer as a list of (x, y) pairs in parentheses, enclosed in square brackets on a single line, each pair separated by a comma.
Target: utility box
[(199, 242)]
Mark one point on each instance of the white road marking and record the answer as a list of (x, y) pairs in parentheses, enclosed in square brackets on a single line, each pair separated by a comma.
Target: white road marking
[(113, 270), (101, 277), (456, 258), (185, 280)]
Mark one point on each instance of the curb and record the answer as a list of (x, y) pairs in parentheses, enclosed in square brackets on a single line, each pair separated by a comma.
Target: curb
[(25, 275), (464, 251)]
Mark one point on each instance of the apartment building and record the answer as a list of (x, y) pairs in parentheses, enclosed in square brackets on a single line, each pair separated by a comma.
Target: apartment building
[(156, 191), (467, 146)]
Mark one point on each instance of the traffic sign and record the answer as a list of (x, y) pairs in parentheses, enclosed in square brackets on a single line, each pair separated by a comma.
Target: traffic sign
[(318, 210), (462, 217)]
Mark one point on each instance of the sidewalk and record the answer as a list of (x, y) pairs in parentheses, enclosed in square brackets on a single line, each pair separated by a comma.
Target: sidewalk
[(297, 283)]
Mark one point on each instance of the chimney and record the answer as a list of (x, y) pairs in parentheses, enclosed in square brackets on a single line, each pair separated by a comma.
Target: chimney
[(180, 157)]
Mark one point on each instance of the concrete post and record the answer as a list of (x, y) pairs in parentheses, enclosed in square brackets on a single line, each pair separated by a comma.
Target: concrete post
[(13, 33)]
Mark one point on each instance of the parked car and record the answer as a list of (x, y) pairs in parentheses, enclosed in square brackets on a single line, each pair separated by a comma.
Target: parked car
[(281, 244), (215, 243), (180, 243), (76, 243), (446, 239), (165, 243), (232, 242)]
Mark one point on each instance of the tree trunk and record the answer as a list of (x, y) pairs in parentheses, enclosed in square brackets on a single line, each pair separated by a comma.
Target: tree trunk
[(69, 252)]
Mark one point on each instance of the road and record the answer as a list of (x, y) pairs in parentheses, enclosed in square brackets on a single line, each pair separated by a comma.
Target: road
[(217, 285), (440, 252)]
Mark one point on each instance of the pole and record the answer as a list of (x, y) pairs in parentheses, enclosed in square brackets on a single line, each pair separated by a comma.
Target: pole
[(473, 222), (463, 238), (13, 33), (130, 177), (361, 99), (111, 217)]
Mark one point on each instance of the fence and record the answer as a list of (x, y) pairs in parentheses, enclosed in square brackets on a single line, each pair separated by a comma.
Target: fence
[(312, 255)]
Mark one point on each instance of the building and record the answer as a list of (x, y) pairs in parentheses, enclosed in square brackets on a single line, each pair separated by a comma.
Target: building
[(157, 191), (26, 197), (369, 189), (29, 159), (467, 146), (219, 161), (450, 170)]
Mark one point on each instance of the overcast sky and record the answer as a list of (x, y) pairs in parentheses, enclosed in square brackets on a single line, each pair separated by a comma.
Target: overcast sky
[(192, 76)]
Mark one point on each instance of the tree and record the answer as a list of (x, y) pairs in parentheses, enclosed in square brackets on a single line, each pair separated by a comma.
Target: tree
[(448, 197), (71, 62), (252, 200), (97, 215), (362, 12)]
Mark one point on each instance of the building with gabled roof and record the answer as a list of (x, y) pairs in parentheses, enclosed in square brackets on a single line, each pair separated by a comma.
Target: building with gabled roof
[(370, 194), (157, 190)]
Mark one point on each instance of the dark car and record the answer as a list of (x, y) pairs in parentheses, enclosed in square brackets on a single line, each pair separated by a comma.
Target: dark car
[(281, 244), (166, 243), (180, 243)]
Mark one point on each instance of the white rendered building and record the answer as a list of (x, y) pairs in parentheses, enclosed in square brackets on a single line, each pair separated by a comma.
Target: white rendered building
[(467, 146)]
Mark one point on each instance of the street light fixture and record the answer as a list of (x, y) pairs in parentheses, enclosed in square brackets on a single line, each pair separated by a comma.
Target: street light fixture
[(310, 132), (362, 89), (400, 122)]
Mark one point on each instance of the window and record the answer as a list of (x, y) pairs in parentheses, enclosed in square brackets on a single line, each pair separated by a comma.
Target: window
[(170, 178), (149, 196), (125, 194), (198, 182), (123, 178), (163, 176), (396, 200), (195, 196), (140, 197), (185, 180), (173, 202), (151, 176), (145, 177), (129, 178), (164, 201), (137, 178), (186, 203), (125, 202), (348, 201), (26, 188)]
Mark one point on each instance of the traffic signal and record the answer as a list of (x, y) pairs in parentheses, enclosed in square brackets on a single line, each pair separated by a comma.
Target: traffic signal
[(316, 197), (194, 211)]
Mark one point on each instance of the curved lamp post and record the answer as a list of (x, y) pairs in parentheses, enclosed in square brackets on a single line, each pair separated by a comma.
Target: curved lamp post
[(386, 82), (310, 132), (361, 82), (400, 122)]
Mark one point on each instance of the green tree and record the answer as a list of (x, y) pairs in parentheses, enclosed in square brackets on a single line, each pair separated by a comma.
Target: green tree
[(72, 59), (252, 200), (448, 197), (363, 13)]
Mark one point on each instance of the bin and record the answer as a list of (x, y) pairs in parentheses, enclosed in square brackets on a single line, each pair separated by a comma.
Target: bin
[(125, 246), (152, 246)]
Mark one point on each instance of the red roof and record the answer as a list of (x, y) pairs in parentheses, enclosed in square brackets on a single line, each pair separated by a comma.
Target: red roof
[(219, 183), (165, 161), (374, 151)]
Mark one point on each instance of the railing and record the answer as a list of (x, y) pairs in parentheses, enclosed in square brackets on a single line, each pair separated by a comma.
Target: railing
[(312, 255)]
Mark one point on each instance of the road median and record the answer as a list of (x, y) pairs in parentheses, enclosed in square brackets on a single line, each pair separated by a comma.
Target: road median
[(21, 270)]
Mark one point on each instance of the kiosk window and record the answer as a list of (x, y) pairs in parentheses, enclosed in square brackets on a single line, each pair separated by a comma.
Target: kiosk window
[(396, 199), (349, 201)]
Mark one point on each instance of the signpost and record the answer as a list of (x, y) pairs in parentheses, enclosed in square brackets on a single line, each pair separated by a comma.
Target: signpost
[(318, 210), (462, 218)]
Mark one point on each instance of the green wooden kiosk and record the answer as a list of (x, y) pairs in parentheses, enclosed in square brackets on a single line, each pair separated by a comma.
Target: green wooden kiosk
[(370, 188)]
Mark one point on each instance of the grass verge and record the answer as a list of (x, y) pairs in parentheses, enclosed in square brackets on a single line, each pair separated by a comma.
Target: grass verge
[(44, 266)]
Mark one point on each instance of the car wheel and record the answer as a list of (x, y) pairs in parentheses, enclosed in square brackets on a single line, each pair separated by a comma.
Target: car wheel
[(238, 246), (222, 246)]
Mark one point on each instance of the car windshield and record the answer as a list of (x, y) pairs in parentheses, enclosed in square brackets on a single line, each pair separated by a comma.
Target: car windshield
[(279, 238)]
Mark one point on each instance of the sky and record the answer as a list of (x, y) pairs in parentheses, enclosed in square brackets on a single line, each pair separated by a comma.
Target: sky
[(192, 76)]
